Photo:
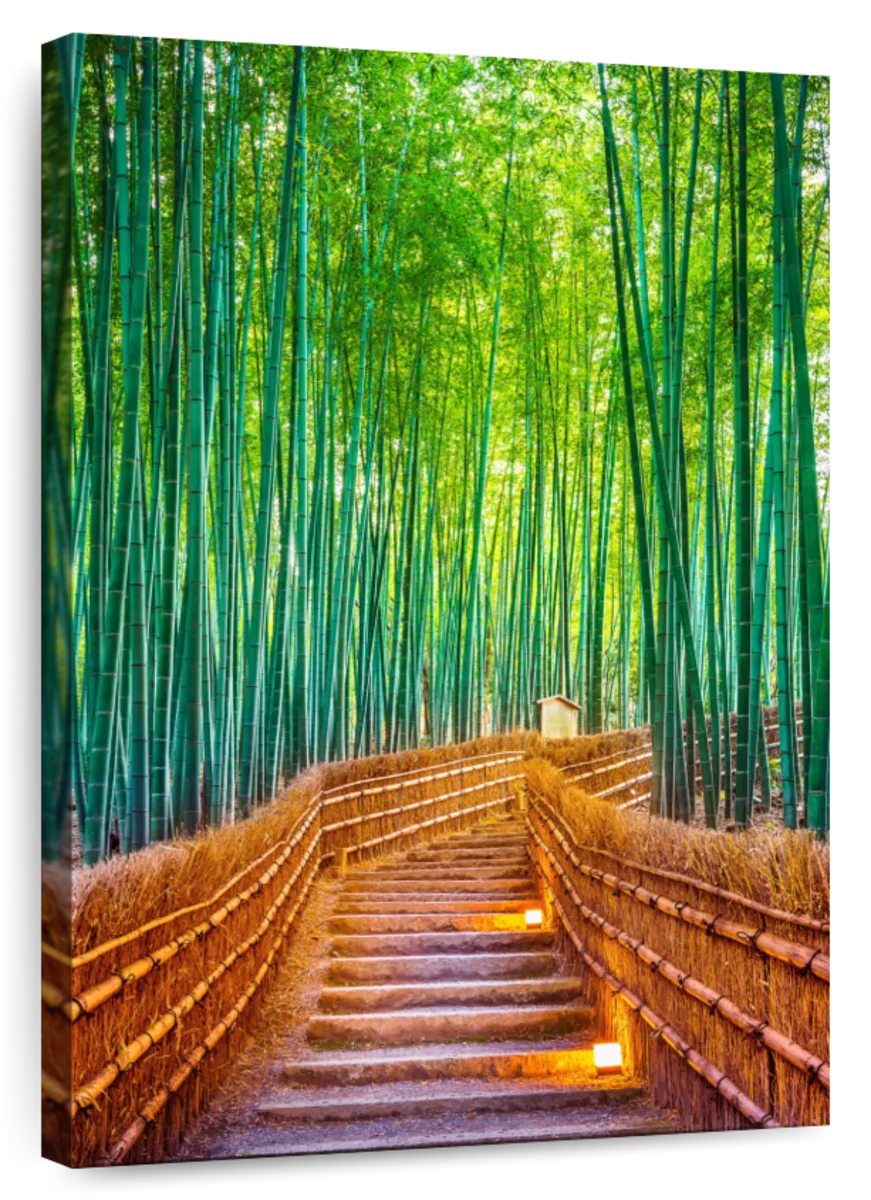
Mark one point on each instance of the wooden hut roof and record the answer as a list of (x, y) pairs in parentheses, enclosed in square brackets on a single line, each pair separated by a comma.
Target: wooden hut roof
[(563, 699)]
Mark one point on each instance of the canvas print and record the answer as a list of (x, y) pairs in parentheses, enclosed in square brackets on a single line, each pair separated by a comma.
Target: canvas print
[(435, 600)]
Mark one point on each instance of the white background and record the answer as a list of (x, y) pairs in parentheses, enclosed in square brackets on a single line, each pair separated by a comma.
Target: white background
[(510, 52)]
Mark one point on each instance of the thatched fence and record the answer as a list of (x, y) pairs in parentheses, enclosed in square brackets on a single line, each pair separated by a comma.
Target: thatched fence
[(688, 973), (620, 774), (152, 1011)]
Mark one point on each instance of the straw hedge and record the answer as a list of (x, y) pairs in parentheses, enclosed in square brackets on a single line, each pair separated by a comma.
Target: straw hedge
[(141, 1017), (741, 981)]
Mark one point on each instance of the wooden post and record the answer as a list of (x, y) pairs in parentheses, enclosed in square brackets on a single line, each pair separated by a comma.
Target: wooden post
[(342, 862)]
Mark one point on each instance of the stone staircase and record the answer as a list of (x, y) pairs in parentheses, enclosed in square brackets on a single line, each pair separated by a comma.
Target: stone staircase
[(443, 1020)]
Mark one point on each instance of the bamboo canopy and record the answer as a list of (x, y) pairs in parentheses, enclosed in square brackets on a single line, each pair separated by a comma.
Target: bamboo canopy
[(371, 444)]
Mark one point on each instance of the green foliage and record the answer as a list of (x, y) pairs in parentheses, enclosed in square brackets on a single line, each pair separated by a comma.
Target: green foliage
[(402, 396)]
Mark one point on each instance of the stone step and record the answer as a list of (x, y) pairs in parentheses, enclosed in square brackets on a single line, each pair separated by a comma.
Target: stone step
[(470, 854), (536, 1059), (476, 993), (432, 1100), (357, 945), (465, 858), (406, 1026), (502, 825), (376, 906), (529, 964), (451, 871), (632, 1120), (444, 883), (512, 849), (463, 841), (422, 922), (502, 821), (412, 900)]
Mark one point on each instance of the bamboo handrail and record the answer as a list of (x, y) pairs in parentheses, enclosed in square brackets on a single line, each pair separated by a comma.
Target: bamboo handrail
[(150, 1110), (123, 939), (428, 802), (316, 801), (622, 787), (87, 1095), (449, 762), (88, 1001), (624, 762), (816, 1069), (91, 999), (588, 762), (360, 792), (633, 801), (794, 954), (667, 1033), (776, 914)]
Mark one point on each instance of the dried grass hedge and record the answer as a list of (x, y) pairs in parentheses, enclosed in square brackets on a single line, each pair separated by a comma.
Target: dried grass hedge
[(170, 946), (591, 749), (785, 871), (608, 773)]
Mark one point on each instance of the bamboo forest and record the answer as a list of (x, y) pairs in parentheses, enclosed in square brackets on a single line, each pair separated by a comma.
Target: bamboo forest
[(409, 390)]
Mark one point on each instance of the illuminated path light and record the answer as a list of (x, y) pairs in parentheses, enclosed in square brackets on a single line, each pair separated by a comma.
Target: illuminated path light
[(608, 1058)]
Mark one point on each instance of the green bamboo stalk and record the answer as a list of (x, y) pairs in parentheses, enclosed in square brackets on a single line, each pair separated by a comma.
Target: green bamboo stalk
[(746, 745), (810, 523), (95, 839), (684, 616), (253, 699), (465, 728), (197, 475), (300, 698), (818, 776)]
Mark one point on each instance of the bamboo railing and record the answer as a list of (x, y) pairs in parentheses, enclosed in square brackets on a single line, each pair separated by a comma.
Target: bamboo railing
[(617, 763), (167, 1013), (754, 1029)]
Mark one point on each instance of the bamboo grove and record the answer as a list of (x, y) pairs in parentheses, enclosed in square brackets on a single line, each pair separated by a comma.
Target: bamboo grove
[(406, 391)]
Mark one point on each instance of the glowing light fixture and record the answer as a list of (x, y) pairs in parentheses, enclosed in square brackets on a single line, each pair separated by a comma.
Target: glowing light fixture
[(607, 1057), (534, 918)]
